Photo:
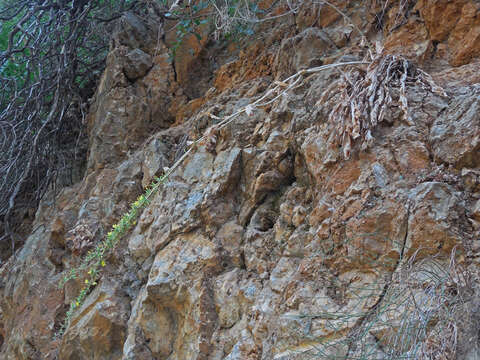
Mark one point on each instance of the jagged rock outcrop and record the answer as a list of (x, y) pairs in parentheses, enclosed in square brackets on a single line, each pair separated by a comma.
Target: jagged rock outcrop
[(267, 243)]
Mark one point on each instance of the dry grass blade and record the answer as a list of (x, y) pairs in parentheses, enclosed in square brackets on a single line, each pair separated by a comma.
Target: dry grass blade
[(426, 306)]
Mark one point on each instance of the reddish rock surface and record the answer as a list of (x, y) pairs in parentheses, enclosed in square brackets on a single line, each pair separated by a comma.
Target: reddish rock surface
[(267, 242)]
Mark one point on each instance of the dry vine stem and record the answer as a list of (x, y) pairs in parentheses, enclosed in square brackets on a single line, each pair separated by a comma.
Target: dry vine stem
[(280, 88)]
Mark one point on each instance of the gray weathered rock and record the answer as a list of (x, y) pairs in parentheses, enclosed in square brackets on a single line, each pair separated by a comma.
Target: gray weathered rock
[(265, 243), (137, 64)]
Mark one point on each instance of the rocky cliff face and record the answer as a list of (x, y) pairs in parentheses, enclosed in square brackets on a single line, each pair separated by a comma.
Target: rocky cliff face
[(274, 239)]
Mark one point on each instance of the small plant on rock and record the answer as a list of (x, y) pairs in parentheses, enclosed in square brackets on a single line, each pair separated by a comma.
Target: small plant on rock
[(91, 265)]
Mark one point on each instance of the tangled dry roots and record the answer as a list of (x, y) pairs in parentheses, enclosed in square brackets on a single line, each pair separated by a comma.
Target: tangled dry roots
[(360, 99)]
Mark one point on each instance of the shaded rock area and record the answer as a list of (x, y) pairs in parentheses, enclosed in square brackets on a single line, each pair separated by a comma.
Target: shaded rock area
[(267, 243)]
